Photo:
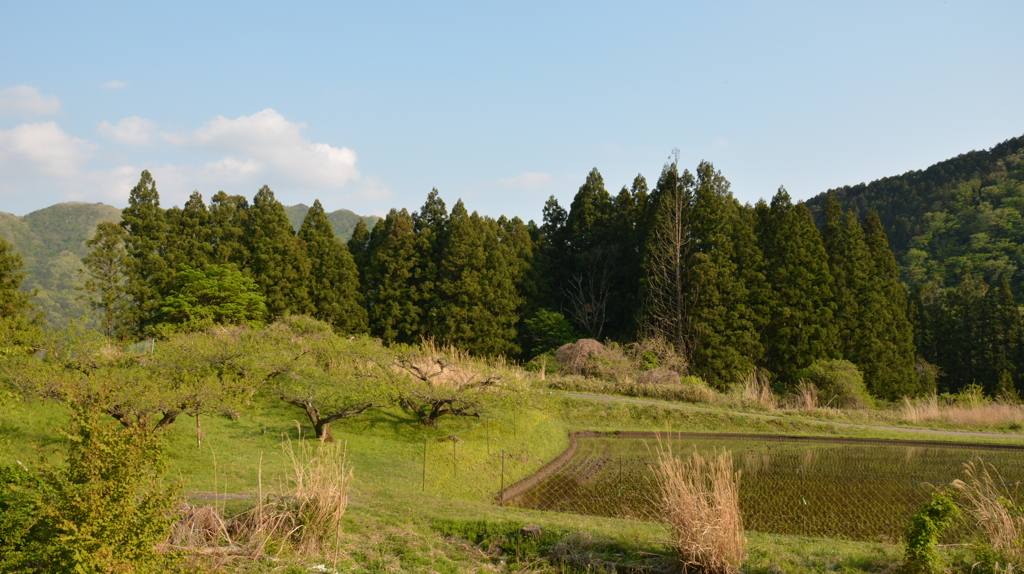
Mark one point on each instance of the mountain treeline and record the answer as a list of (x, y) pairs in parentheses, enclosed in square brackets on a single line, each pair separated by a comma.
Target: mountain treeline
[(731, 287), (958, 231)]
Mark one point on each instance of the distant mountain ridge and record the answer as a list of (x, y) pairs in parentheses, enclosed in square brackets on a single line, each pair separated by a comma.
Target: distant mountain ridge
[(902, 201), (52, 243)]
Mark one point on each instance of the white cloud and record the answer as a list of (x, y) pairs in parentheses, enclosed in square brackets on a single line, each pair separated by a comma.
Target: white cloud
[(131, 130), (115, 85), (43, 149), (269, 138), (531, 180), (26, 101)]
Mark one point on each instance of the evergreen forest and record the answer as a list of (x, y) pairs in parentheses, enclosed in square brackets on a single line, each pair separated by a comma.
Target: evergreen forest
[(914, 279)]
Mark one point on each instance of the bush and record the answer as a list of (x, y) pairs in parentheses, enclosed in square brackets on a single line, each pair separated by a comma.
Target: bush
[(590, 358), (103, 512), (925, 528), (700, 501), (655, 353), (549, 330), (839, 383)]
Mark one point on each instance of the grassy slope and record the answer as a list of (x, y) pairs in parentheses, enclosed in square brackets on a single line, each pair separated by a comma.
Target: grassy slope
[(392, 522)]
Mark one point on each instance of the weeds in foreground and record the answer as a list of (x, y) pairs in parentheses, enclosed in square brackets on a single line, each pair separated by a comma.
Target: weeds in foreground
[(966, 411), (304, 515), (994, 513), (700, 501), (755, 390)]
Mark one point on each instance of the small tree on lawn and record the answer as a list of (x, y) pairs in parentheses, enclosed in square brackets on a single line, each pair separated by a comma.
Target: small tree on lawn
[(329, 377), (434, 384)]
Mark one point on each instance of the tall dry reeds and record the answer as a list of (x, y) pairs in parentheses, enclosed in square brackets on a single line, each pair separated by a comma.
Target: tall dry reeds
[(993, 509), (754, 389), (304, 513), (966, 413), (700, 501), (319, 480)]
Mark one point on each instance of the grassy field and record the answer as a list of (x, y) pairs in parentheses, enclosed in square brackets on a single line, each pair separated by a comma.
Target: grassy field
[(405, 516)]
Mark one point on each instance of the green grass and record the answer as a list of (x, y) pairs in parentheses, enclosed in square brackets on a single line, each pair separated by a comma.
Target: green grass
[(394, 524)]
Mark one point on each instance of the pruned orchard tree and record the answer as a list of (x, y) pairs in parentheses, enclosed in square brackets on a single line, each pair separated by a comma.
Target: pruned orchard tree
[(436, 383), (329, 377), (149, 385)]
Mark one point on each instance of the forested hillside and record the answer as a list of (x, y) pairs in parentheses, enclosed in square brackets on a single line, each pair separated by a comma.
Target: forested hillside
[(52, 243), (732, 288)]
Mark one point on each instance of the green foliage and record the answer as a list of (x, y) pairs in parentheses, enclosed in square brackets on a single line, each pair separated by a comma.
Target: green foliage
[(145, 236), (840, 384), (329, 377), (107, 268), (334, 279), (102, 512), (800, 327), (19, 329), (277, 258), (216, 295), (923, 534), (549, 330)]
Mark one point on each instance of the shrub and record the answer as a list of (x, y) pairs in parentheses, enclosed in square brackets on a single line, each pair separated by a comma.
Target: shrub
[(925, 528), (549, 330), (103, 512), (840, 384), (590, 358), (700, 501), (656, 352)]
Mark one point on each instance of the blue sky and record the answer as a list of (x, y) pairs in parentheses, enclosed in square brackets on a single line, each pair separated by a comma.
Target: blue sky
[(368, 106)]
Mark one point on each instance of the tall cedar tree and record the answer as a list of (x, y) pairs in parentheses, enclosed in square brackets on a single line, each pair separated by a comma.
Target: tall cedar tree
[(480, 274), (391, 298), (229, 219), (19, 325), (1001, 343), (724, 289), (149, 274), (106, 270), (189, 235), (857, 303), (667, 304), (889, 363), (595, 260), (277, 258), (334, 278), (800, 328), (629, 227), (431, 226)]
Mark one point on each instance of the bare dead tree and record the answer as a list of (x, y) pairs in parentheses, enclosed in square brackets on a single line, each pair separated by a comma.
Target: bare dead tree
[(590, 289), (668, 303)]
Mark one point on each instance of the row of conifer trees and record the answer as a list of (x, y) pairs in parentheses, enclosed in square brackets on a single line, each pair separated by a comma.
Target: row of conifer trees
[(733, 287)]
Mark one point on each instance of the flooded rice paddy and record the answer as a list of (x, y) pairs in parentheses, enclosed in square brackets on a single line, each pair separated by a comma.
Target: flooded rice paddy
[(832, 488)]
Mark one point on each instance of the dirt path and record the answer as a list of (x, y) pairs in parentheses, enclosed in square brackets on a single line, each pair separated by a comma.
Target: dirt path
[(739, 413)]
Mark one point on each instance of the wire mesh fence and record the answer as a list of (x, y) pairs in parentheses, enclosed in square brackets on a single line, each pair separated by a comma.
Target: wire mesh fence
[(830, 488)]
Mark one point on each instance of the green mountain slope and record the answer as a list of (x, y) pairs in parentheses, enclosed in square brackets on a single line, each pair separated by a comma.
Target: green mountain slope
[(343, 221), (52, 243), (903, 201)]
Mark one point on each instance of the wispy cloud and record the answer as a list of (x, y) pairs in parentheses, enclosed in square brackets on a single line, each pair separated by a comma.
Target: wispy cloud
[(115, 85), (530, 179), (133, 130), (26, 101), (42, 149)]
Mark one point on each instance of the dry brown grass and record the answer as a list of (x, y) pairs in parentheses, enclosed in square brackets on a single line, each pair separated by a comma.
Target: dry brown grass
[(700, 501), (993, 509), (304, 514), (591, 358), (972, 414), (804, 397), (755, 390)]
